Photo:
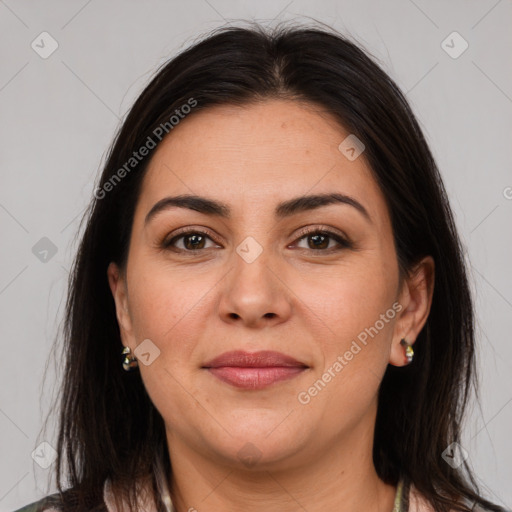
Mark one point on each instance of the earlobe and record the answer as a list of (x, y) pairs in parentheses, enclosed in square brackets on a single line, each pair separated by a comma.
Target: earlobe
[(417, 294)]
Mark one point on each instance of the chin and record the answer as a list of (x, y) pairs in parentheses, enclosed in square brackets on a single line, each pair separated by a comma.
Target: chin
[(264, 442)]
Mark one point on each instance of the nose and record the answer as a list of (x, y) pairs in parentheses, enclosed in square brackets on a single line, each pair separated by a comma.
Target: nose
[(255, 294)]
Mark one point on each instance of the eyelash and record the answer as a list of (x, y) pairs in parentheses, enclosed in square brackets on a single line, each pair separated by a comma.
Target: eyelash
[(343, 242)]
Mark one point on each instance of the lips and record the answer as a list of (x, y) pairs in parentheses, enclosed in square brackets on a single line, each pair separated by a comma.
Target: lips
[(254, 370)]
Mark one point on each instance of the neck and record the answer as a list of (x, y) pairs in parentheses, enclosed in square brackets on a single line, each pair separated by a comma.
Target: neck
[(342, 478)]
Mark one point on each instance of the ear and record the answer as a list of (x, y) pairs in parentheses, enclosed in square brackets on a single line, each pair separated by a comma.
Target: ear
[(117, 283), (416, 299)]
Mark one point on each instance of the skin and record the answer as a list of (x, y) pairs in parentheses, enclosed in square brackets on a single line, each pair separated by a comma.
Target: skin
[(198, 304)]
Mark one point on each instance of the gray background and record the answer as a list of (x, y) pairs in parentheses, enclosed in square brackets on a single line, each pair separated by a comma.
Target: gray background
[(59, 114)]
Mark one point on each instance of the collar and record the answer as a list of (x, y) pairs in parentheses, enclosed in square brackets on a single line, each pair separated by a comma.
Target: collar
[(398, 505)]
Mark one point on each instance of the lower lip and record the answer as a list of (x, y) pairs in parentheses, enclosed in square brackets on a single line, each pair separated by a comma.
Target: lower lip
[(255, 378)]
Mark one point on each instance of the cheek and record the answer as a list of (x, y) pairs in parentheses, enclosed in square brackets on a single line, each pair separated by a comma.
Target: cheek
[(350, 299), (166, 305), (356, 306), (355, 351)]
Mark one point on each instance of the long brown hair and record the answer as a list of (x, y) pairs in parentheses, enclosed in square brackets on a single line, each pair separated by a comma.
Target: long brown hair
[(109, 427)]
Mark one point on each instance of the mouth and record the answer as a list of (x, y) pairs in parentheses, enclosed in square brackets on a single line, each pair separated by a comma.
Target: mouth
[(256, 370)]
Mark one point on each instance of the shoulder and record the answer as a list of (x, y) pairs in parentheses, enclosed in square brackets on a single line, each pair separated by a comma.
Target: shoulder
[(418, 503), (54, 503), (479, 508), (47, 504)]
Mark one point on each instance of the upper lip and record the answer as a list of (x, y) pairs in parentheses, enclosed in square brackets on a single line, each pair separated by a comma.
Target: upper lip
[(261, 359)]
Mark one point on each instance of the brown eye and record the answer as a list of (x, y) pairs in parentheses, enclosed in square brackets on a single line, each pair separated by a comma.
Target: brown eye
[(319, 240), (191, 241)]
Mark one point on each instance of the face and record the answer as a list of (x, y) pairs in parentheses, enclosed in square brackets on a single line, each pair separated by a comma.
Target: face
[(264, 322)]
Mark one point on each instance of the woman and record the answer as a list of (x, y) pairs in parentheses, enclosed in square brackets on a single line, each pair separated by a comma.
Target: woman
[(269, 309)]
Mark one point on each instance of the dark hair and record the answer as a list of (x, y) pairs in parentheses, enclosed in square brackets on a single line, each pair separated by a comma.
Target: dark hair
[(109, 427)]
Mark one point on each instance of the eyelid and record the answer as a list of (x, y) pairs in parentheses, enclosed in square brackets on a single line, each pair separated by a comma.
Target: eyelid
[(343, 241), (189, 230), (322, 228)]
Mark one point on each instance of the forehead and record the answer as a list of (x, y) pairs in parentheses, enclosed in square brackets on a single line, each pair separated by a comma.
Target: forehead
[(258, 153)]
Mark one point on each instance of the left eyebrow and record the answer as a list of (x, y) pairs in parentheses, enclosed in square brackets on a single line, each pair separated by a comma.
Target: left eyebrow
[(285, 209)]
